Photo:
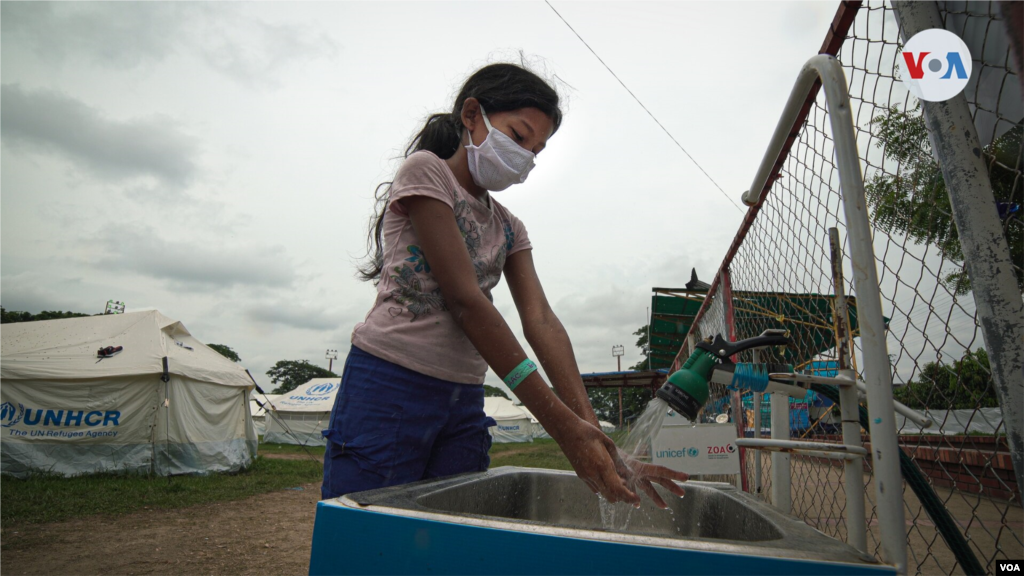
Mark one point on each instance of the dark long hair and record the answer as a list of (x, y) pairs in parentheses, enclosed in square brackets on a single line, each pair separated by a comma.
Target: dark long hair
[(498, 88)]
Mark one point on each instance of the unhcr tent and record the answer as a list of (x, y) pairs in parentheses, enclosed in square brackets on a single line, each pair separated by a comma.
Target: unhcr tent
[(536, 429), (539, 431), (513, 424), (165, 403), (259, 413), (300, 416)]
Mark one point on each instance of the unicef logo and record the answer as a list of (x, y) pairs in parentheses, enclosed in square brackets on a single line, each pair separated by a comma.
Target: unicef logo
[(692, 452), (936, 65), (9, 415), (321, 389)]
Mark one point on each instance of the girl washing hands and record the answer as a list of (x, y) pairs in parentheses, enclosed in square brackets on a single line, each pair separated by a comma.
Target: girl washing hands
[(411, 401)]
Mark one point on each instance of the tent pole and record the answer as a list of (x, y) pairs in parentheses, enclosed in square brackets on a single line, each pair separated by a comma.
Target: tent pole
[(166, 377)]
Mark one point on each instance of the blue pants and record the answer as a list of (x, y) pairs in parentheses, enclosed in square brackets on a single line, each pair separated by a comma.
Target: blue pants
[(391, 425)]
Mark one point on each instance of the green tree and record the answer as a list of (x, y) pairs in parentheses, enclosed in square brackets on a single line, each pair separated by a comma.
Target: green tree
[(226, 351), (494, 391), (8, 317), (914, 201), (645, 350), (290, 374), (606, 403), (634, 400), (966, 384)]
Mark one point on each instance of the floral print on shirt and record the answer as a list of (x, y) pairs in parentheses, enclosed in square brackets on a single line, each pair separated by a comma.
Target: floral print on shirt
[(418, 259), (410, 293)]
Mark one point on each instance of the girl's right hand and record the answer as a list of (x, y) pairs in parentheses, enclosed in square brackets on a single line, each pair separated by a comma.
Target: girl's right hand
[(590, 452)]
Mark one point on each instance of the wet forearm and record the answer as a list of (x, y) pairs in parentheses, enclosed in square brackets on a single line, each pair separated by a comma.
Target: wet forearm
[(554, 351), (494, 340)]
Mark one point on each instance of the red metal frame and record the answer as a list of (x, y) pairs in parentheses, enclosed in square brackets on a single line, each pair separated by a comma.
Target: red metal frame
[(833, 41), (736, 401)]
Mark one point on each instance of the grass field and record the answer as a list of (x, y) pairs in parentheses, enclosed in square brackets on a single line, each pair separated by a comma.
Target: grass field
[(46, 498), (536, 454)]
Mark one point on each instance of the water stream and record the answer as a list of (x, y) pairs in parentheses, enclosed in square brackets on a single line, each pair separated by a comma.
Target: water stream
[(637, 445)]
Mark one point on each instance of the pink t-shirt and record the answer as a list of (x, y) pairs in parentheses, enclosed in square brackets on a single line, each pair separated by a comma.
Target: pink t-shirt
[(409, 323)]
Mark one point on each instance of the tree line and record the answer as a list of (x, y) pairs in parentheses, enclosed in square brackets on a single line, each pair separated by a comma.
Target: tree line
[(963, 384)]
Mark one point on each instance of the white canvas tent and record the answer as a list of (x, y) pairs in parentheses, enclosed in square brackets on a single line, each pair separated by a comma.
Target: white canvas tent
[(513, 423), (536, 429), (300, 416), (259, 414), (166, 404), (539, 431)]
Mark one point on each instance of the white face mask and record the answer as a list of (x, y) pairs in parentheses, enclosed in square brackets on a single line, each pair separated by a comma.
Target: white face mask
[(498, 162)]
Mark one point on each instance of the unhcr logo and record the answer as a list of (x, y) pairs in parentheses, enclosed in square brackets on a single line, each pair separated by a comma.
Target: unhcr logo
[(321, 389), (9, 415)]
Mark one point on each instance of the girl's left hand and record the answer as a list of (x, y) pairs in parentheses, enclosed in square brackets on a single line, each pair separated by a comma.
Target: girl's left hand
[(640, 475)]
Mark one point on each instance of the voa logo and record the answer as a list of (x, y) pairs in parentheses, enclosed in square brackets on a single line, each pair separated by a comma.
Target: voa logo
[(935, 65), (321, 389), (1009, 566)]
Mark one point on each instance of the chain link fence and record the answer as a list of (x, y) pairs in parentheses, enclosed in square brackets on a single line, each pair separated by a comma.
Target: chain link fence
[(779, 276)]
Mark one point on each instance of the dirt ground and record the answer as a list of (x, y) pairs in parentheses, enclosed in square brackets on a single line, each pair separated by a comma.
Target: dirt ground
[(265, 534)]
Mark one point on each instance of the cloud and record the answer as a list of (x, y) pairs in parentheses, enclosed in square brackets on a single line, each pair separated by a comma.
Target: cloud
[(38, 290), (133, 34), (613, 307), (277, 47), (56, 123), (297, 316), (122, 36), (191, 264)]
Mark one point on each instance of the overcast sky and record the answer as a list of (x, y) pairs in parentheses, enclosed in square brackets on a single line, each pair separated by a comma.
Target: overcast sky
[(217, 161)]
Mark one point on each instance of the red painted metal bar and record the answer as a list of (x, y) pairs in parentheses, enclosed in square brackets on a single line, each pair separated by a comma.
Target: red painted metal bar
[(735, 400)]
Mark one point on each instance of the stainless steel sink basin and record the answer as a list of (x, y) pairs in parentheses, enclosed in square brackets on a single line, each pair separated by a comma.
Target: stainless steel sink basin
[(707, 510), (713, 518)]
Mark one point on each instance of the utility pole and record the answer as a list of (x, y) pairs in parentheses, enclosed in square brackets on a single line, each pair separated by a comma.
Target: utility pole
[(617, 352), (331, 356)]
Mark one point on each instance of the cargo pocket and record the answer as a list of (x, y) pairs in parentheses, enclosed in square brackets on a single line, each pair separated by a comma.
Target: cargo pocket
[(367, 432)]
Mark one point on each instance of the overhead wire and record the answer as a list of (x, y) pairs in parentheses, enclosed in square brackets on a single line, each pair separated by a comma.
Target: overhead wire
[(649, 113)]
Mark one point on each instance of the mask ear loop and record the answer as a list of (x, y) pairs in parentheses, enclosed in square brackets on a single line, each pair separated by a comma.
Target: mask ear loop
[(486, 123)]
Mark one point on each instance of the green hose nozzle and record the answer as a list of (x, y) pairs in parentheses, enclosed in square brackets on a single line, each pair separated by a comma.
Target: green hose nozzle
[(686, 390)]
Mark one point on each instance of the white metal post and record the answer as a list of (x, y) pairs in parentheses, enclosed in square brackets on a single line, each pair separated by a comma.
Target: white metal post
[(853, 470), (757, 428), (782, 498)]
